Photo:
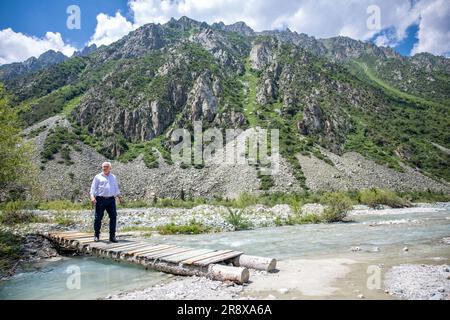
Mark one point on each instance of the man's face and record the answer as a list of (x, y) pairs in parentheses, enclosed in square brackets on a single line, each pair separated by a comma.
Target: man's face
[(106, 169)]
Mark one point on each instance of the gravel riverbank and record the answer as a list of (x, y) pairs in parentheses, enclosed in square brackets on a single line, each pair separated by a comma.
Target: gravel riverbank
[(419, 282), (190, 288)]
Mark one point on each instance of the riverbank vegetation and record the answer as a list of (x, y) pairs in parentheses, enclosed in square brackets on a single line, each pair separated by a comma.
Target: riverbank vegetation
[(10, 251), (370, 197)]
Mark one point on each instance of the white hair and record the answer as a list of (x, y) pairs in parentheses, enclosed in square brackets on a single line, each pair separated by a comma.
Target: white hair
[(106, 164)]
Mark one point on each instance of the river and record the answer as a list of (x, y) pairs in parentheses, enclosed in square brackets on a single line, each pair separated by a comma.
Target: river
[(338, 255)]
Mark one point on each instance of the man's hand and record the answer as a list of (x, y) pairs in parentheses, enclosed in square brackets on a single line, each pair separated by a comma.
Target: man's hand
[(93, 200), (120, 199)]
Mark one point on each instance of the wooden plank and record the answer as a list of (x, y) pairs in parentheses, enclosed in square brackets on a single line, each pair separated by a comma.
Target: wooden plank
[(150, 247), (94, 246), (176, 252), (126, 249), (110, 244), (89, 240), (153, 254), (60, 234), (218, 258), (160, 247), (143, 253), (169, 253), (74, 237), (77, 235), (187, 255), (77, 239), (205, 256), (101, 243)]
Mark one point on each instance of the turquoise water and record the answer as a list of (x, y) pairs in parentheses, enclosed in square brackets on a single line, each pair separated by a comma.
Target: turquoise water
[(59, 280), (421, 230)]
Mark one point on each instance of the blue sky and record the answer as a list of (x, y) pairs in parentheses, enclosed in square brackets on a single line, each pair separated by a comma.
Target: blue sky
[(30, 27), (36, 17)]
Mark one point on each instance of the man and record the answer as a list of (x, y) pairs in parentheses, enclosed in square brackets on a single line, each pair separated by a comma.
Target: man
[(104, 190)]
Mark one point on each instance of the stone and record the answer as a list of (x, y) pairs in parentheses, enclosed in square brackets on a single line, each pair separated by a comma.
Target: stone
[(283, 290), (437, 297), (405, 249)]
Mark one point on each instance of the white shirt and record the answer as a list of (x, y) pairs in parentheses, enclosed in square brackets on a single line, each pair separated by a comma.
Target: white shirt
[(105, 186)]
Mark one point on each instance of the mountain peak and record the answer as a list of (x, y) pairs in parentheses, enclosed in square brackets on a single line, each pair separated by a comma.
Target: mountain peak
[(32, 64), (86, 50), (239, 27)]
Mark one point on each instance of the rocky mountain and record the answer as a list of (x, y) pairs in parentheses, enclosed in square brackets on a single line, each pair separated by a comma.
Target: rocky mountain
[(14, 70), (361, 114), (85, 51)]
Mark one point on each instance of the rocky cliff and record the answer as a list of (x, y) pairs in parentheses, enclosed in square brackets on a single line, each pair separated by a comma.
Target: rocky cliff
[(331, 100)]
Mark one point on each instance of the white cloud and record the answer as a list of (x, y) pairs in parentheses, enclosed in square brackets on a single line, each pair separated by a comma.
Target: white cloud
[(319, 18), (110, 29), (16, 46), (434, 28)]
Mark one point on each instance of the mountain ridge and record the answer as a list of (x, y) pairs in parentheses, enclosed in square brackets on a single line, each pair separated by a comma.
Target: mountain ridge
[(335, 95)]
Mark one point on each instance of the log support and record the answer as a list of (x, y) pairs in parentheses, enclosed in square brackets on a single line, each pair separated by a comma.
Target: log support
[(254, 262)]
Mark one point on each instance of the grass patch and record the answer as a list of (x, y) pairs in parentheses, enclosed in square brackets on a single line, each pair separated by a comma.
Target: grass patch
[(63, 220), (62, 205), (425, 196), (193, 227), (376, 197), (390, 89), (138, 228), (237, 220), (251, 79), (70, 105), (134, 204), (14, 213)]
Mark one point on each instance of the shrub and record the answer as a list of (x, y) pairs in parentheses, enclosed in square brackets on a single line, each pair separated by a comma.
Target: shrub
[(236, 219), (309, 218), (338, 204), (10, 250), (376, 197)]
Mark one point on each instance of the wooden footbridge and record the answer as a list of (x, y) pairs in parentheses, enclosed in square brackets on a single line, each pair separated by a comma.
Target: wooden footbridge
[(221, 265)]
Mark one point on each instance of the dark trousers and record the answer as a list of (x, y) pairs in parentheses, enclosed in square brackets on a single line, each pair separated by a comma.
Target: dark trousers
[(108, 204)]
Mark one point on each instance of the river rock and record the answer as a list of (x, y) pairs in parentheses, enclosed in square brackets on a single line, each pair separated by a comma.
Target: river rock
[(283, 290)]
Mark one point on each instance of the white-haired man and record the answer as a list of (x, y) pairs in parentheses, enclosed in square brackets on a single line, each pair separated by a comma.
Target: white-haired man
[(104, 190)]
